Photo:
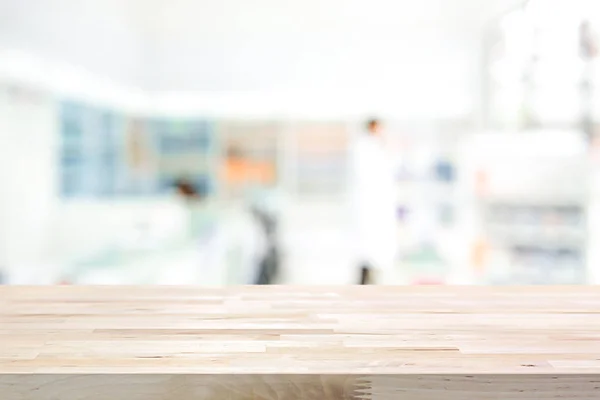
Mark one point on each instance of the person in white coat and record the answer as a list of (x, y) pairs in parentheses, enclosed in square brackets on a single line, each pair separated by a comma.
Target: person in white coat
[(231, 243), (373, 207)]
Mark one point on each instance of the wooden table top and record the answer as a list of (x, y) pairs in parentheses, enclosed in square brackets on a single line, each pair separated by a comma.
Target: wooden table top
[(300, 330)]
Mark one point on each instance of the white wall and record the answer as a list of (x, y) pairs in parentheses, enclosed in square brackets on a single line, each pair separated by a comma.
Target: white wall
[(28, 182), (97, 35)]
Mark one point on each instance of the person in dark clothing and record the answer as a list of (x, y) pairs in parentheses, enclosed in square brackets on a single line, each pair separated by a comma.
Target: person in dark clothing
[(269, 265), (187, 189), (365, 275)]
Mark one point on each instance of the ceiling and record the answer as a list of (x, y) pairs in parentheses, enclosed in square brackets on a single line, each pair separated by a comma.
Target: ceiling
[(229, 45), (317, 45), (231, 18)]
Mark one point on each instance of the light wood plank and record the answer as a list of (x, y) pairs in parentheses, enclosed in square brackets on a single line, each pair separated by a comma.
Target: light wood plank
[(187, 343)]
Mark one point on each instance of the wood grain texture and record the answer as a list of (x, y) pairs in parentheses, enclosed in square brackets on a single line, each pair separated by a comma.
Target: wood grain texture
[(93, 343)]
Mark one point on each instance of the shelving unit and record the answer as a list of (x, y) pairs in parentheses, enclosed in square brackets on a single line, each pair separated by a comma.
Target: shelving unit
[(250, 157), (542, 67), (528, 220), (105, 153), (185, 148), (427, 199), (542, 75), (319, 158)]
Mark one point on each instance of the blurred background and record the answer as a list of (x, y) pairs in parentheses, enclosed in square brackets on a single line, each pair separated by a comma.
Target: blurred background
[(213, 142)]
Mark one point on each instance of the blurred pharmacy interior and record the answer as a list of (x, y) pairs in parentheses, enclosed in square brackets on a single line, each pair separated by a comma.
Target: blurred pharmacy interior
[(490, 110)]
